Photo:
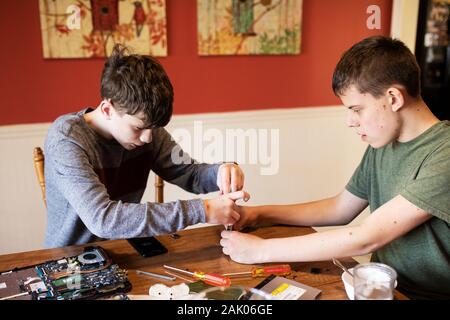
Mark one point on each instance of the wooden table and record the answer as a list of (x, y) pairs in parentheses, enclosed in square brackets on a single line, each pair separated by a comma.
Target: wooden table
[(197, 249)]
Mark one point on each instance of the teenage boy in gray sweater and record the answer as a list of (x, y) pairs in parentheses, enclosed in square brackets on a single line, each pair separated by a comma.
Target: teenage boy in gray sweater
[(98, 162)]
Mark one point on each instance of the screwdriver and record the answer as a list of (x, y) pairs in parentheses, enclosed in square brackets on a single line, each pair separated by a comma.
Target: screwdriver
[(281, 270), (209, 278)]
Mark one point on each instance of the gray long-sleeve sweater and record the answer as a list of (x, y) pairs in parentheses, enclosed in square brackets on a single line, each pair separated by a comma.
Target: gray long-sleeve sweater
[(94, 186)]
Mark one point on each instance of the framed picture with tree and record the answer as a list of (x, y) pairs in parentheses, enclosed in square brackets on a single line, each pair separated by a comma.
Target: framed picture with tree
[(90, 28), (249, 27)]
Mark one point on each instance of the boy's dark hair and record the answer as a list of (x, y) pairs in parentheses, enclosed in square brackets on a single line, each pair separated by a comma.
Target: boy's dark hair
[(374, 64), (135, 83)]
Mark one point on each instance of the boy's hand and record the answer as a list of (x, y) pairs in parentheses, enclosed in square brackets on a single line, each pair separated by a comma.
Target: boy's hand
[(223, 210), (230, 178), (243, 247), (248, 217)]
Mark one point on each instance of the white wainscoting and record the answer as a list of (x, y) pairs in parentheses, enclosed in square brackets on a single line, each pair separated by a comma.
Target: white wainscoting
[(317, 155)]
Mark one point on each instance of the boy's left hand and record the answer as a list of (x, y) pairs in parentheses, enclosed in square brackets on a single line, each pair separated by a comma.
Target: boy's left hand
[(230, 178), (243, 247)]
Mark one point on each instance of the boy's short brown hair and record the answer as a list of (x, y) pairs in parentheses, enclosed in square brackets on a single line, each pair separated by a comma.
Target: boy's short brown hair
[(135, 83), (374, 64)]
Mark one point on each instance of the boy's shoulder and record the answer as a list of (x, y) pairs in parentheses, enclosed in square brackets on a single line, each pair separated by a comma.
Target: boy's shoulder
[(441, 134), (66, 120), (446, 126), (67, 126)]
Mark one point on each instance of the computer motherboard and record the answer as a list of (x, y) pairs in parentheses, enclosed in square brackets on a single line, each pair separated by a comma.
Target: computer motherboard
[(89, 275)]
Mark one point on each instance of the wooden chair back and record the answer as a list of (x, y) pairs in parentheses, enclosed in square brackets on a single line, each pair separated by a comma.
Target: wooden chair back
[(38, 157), (159, 189)]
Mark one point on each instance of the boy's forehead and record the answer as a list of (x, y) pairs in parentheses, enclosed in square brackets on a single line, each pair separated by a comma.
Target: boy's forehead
[(137, 118), (351, 92), (352, 97)]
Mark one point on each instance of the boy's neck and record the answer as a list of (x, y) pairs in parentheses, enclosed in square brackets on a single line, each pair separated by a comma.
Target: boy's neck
[(416, 118), (96, 121)]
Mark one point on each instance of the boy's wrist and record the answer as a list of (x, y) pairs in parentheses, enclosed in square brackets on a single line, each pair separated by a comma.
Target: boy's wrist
[(206, 206), (258, 213), (266, 251), (252, 215)]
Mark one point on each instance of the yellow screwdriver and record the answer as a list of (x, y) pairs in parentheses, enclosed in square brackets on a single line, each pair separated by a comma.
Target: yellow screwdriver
[(209, 278), (281, 270)]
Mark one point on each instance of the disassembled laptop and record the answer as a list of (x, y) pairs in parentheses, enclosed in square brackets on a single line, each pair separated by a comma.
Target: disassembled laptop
[(89, 275)]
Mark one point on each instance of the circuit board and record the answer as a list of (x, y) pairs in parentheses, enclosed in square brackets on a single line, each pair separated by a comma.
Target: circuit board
[(89, 275)]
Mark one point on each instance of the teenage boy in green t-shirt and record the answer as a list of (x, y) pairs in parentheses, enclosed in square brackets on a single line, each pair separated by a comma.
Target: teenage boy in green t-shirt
[(404, 177)]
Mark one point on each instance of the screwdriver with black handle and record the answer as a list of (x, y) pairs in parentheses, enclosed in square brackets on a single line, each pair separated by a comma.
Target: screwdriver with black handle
[(280, 270)]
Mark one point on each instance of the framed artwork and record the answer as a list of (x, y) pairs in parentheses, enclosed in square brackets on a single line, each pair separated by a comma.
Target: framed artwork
[(249, 27), (90, 28)]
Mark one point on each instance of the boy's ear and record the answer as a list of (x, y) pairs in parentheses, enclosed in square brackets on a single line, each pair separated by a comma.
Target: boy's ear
[(106, 109), (395, 98)]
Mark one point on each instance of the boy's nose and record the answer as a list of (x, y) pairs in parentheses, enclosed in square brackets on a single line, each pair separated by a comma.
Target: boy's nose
[(146, 136), (352, 120)]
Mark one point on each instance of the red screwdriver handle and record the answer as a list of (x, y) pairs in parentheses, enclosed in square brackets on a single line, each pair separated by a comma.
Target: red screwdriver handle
[(283, 269), (213, 279)]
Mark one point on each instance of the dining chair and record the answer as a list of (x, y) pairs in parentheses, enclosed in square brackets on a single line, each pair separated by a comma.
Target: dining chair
[(38, 157)]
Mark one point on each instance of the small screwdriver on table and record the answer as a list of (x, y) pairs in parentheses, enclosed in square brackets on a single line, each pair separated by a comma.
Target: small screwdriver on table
[(281, 270), (209, 278)]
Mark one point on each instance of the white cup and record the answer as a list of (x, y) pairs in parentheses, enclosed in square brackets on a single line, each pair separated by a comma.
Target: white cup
[(374, 281)]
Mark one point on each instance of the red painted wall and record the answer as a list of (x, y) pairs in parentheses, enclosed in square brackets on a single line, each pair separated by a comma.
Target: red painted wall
[(36, 90)]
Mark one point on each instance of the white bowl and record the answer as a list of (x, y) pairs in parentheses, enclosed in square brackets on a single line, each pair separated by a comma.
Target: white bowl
[(348, 284)]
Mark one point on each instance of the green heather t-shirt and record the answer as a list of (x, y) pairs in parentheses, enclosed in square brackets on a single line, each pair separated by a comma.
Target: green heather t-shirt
[(418, 170)]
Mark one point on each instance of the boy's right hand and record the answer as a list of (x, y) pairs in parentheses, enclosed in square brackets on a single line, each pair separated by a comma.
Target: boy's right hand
[(248, 217), (223, 210)]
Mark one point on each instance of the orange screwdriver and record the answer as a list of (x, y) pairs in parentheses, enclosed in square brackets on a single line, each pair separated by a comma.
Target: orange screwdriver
[(209, 278), (281, 270)]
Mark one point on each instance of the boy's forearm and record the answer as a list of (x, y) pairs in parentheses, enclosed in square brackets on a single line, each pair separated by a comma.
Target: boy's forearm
[(317, 213), (319, 246)]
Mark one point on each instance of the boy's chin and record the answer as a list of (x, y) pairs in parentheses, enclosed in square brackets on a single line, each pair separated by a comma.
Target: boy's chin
[(377, 145), (129, 146)]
